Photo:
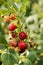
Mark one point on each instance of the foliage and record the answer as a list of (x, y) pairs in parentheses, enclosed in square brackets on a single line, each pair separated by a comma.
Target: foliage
[(29, 18)]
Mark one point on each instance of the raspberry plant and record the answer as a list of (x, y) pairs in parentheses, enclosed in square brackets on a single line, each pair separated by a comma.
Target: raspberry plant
[(21, 32)]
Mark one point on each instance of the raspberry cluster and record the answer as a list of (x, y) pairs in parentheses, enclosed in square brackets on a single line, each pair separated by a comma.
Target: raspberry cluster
[(18, 44)]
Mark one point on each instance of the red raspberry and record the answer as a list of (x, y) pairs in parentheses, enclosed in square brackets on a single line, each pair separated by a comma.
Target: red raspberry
[(12, 17), (22, 45), (12, 27), (22, 35), (12, 43), (13, 35)]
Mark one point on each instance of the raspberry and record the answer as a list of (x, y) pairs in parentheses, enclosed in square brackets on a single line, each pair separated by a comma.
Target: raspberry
[(6, 18), (12, 17), (13, 35), (22, 35), (12, 27), (22, 45), (12, 43)]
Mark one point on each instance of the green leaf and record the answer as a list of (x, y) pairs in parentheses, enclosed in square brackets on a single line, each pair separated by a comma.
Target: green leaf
[(1, 30), (15, 6), (9, 58), (32, 57), (2, 37), (2, 11), (40, 62), (24, 1), (2, 47), (41, 15), (26, 62), (17, 1), (14, 53), (23, 9)]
